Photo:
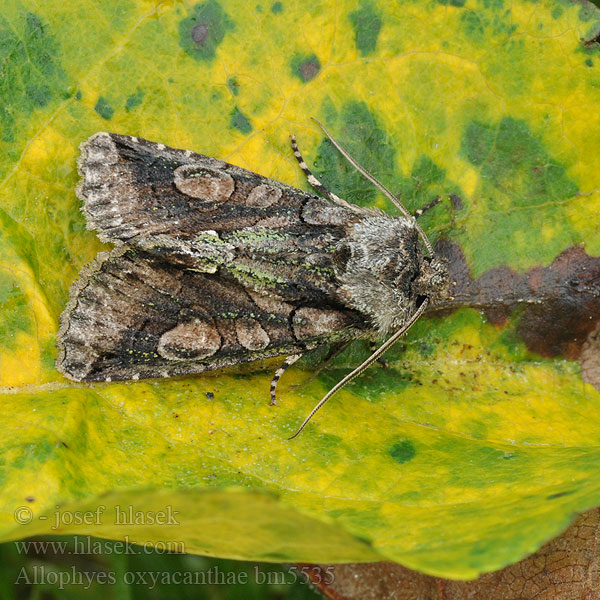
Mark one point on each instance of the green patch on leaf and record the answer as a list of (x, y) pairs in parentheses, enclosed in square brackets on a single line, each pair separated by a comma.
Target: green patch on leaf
[(366, 22), (477, 142), (233, 86), (134, 100), (30, 71), (201, 33), (517, 174), (306, 67), (104, 109), (403, 451), (240, 122), (366, 141)]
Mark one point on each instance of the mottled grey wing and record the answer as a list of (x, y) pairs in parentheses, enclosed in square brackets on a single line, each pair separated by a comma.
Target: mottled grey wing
[(208, 215), (133, 315)]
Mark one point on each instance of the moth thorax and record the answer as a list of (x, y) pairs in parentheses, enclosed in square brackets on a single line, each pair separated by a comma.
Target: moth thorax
[(382, 270)]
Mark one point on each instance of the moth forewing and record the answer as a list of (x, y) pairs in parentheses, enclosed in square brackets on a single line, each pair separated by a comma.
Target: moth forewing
[(220, 266)]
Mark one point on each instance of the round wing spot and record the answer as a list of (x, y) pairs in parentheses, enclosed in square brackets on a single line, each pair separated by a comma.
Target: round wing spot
[(205, 184), (193, 340), (251, 335), (263, 195)]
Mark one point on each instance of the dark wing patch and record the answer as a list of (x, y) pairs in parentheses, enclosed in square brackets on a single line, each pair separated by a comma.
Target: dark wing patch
[(209, 215), (133, 315), (133, 189)]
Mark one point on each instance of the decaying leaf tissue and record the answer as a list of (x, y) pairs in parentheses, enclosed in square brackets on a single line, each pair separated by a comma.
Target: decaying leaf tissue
[(216, 266)]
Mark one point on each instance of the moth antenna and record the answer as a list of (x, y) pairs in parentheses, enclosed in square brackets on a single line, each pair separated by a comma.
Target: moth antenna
[(378, 185), (383, 348)]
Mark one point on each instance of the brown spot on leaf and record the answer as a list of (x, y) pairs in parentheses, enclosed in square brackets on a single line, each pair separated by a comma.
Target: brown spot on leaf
[(456, 201), (560, 303), (567, 305), (306, 67), (199, 33), (309, 69)]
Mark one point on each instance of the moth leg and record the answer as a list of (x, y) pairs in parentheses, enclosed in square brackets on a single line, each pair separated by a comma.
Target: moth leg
[(372, 347), (335, 352), (425, 208), (312, 180), (289, 361)]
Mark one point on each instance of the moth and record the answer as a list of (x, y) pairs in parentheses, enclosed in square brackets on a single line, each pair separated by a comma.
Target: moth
[(216, 266)]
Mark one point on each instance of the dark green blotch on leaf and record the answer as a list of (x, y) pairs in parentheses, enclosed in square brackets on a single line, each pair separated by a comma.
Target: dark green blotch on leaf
[(477, 142), (422, 185), (30, 74), (276, 8), (588, 11), (403, 451), (233, 85), (134, 100), (306, 67), (425, 172), (240, 121), (361, 134), (474, 24), (38, 94), (204, 30), (513, 160), (366, 22), (104, 109), (458, 3), (589, 62)]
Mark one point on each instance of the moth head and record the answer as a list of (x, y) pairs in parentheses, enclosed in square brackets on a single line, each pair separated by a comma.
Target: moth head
[(433, 281)]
